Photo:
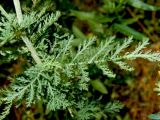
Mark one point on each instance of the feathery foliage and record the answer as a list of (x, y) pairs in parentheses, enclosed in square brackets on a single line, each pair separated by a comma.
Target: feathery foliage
[(62, 79)]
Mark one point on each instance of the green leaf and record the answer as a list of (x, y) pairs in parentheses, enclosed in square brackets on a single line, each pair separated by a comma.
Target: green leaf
[(154, 116), (141, 5), (126, 30), (78, 32), (95, 26), (99, 86), (132, 20), (91, 16), (83, 15)]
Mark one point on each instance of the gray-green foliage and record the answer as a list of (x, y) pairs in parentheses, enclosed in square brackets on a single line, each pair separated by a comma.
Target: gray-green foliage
[(154, 116), (93, 110), (62, 78)]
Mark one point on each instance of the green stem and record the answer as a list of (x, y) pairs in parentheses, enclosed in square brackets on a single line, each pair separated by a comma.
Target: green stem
[(3, 12), (25, 38), (18, 10), (31, 49)]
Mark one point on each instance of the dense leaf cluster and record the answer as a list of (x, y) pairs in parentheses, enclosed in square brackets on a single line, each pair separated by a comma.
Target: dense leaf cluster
[(61, 81)]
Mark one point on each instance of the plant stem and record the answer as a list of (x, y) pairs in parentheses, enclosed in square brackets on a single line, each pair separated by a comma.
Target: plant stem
[(31, 49), (3, 12), (18, 10), (25, 38)]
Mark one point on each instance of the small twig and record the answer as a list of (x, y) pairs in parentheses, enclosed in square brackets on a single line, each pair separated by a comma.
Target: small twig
[(25, 38)]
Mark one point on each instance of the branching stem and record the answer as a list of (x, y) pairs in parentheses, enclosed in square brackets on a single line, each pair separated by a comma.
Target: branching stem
[(25, 38)]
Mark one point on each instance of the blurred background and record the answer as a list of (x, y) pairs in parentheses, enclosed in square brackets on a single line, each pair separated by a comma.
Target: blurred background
[(102, 18)]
